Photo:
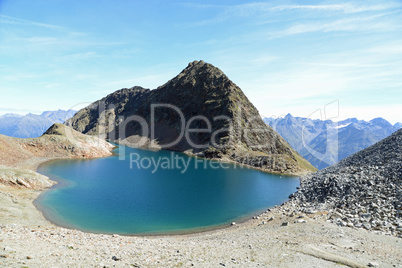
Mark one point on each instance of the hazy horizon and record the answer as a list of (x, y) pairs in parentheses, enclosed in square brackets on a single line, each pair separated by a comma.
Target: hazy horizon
[(24, 112)]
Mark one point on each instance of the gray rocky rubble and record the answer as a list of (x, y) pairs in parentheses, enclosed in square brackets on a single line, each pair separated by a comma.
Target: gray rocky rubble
[(363, 190)]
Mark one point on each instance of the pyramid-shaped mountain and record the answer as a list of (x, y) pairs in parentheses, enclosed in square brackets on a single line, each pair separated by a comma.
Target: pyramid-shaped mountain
[(200, 112)]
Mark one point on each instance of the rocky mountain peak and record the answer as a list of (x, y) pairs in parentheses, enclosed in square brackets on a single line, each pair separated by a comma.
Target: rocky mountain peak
[(380, 122), (201, 112), (56, 129), (9, 115), (200, 67), (199, 75), (196, 63)]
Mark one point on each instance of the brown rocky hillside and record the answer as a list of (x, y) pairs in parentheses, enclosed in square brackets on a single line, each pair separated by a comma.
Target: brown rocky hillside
[(216, 121), (20, 157)]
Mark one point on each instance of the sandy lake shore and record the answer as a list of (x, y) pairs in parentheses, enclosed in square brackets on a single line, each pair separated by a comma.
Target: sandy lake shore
[(28, 240), (280, 237), (277, 238)]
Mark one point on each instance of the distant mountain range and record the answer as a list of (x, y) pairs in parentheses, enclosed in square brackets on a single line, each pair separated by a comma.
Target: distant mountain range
[(324, 143), (31, 125)]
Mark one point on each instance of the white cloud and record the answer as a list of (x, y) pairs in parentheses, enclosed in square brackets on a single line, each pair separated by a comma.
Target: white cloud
[(344, 7), (264, 10), (50, 85), (16, 21), (79, 56), (345, 65), (17, 76), (262, 60), (389, 48), (362, 23), (80, 77), (41, 41)]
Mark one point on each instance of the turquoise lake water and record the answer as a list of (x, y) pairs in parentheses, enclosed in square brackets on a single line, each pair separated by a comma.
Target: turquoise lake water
[(110, 195)]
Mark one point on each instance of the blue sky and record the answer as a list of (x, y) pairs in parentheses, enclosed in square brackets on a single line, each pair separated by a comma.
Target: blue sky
[(287, 56)]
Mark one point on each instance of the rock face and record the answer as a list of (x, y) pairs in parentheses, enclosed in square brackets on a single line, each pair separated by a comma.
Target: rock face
[(363, 190), (200, 112)]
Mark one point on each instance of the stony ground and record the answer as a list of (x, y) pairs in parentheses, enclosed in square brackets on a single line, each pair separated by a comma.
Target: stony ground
[(278, 238), (363, 190), (290, 235)]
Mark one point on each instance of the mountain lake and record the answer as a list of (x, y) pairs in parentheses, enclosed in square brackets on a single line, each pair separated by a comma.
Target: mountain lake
[(139, 192)]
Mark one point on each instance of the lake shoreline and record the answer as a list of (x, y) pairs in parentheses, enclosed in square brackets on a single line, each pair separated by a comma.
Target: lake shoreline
[(56, 220), (260, 241), (225, 159), (278, 238)]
